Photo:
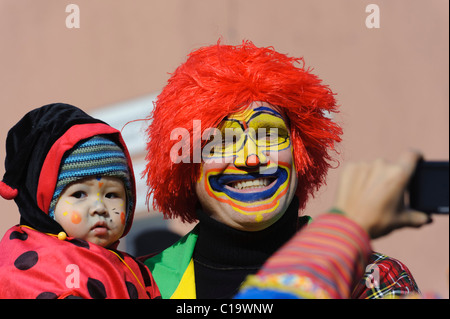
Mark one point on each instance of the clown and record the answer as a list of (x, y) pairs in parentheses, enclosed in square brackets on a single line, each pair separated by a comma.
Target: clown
[(247, 190)]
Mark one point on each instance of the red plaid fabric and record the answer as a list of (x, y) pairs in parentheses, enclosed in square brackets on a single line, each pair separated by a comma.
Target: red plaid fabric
[(385, 277)]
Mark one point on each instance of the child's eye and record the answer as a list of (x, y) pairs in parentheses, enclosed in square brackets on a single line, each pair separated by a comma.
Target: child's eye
[(79, 194), (112, 195)]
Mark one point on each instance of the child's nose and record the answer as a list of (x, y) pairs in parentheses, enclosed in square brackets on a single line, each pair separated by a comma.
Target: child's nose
[(98, 207)]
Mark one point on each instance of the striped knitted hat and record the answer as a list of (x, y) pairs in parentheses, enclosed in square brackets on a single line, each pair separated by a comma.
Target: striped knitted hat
[(94, 157)]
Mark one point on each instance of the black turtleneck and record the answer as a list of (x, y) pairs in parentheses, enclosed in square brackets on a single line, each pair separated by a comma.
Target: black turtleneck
[(224, 256)]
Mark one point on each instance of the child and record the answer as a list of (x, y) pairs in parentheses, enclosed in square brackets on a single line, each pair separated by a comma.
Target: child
[(72, 180)]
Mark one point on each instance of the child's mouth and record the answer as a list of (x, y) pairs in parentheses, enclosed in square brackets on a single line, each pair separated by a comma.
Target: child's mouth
[(100, 228)]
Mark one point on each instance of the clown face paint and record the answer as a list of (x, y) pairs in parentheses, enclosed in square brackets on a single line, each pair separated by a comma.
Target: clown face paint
[(93, 209), (254, 183)]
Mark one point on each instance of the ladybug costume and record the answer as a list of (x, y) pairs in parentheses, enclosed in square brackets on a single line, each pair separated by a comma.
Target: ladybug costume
[(37, 258)]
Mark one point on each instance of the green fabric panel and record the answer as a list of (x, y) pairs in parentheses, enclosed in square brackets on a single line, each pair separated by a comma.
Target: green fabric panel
[(169, 266)]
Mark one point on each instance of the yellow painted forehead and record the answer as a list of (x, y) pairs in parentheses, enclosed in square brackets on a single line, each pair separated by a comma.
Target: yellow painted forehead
[(243, 115), (265, 119)]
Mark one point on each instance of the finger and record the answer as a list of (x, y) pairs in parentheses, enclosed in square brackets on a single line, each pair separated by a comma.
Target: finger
[(402, 171), (412, 218), (408, 161), (346, 178), (351, 182), (376, 170)]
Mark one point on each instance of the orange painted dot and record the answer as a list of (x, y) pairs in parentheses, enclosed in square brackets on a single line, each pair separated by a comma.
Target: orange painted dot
[(76, 218), (100, 185), (122, 218)]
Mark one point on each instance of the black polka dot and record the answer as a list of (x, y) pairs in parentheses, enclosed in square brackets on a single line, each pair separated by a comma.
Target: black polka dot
[(47, 295), (73, 297), (26, 260), (96, 289), (79, 243), (145, 275), (132, 291), (18, 235)]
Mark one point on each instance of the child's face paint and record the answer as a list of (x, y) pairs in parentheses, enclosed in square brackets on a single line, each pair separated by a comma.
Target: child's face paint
[(75, 217), (253, 183), (122, 218), (93, 209)]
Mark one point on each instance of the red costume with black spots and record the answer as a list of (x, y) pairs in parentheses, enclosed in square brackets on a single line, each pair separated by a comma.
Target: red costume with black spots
[(37, 265), (37, 258)]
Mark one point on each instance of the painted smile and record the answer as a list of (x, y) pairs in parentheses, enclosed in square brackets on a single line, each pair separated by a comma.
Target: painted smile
[(250, 187)]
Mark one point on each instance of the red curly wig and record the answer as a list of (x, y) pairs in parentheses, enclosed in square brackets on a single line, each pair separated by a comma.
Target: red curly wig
[(218, 80)]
